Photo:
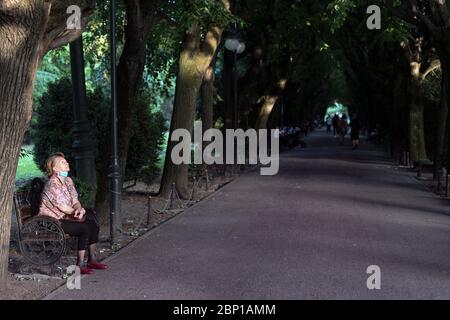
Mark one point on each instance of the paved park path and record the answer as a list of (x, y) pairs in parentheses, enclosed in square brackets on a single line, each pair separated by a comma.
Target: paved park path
[(308, 233)]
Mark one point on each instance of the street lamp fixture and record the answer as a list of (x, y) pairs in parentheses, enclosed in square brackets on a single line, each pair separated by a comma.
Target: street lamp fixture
[(235, 45)]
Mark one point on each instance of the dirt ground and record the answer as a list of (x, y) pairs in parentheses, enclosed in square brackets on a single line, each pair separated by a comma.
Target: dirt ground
[(29, 282)]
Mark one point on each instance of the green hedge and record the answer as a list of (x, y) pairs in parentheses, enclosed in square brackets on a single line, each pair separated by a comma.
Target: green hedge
[(52, 130)]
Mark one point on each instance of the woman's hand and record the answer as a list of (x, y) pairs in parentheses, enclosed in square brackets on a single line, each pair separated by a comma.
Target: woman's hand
[(79, 213), (79, 210), (67, 210)]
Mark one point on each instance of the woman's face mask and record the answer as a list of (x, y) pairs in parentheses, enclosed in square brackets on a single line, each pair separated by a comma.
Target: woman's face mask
[(62, 167)]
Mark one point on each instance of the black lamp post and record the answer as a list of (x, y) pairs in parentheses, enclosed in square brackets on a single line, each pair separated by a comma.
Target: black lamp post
[(83, 144), (114, 176), (234, 45), (237, 47)]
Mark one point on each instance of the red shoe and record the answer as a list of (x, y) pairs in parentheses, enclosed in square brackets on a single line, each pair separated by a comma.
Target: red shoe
[(86, 270), (96, 265)]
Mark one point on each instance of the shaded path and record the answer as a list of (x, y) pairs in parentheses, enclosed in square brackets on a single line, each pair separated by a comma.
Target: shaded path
[(308, 233)]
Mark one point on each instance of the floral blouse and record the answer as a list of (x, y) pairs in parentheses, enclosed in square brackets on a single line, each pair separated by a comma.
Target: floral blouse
[(57, 193)]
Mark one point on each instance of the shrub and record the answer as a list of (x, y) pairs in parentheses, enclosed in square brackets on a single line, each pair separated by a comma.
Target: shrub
[(146, 144), (86, 193), (54, 122)]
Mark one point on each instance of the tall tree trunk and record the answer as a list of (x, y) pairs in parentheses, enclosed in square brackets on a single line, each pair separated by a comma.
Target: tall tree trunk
[(416, 121), (397, 123), (191, 69), (207, 94), (268, 103), (141, 16), (208, 98), (417, 54), (195, 58), (434, 19), (188, 82), (19, 57), (228, 90), (442, 114)]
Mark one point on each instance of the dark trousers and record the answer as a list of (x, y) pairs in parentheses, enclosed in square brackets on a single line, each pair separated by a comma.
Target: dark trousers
[(86, 231)]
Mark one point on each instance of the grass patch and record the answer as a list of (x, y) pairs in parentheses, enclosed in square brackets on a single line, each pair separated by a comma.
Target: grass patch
[(160, 162), (27, 169)]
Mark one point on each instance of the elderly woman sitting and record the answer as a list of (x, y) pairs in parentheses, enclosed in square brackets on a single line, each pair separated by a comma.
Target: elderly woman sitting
[(60, 201)]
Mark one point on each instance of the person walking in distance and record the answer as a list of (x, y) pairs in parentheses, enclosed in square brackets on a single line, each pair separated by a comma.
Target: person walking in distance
[(335, 122), (329, 123), (342, 128), (356, 127)]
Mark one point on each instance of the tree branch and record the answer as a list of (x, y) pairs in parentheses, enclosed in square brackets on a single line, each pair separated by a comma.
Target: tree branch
[(57, 33), (212, 38)]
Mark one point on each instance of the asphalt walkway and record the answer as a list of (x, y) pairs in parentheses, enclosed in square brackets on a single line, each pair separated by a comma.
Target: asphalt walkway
[(309, 232)]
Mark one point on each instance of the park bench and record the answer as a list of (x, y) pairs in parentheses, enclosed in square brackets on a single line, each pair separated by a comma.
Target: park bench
[(292, 140), (42, 241)]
